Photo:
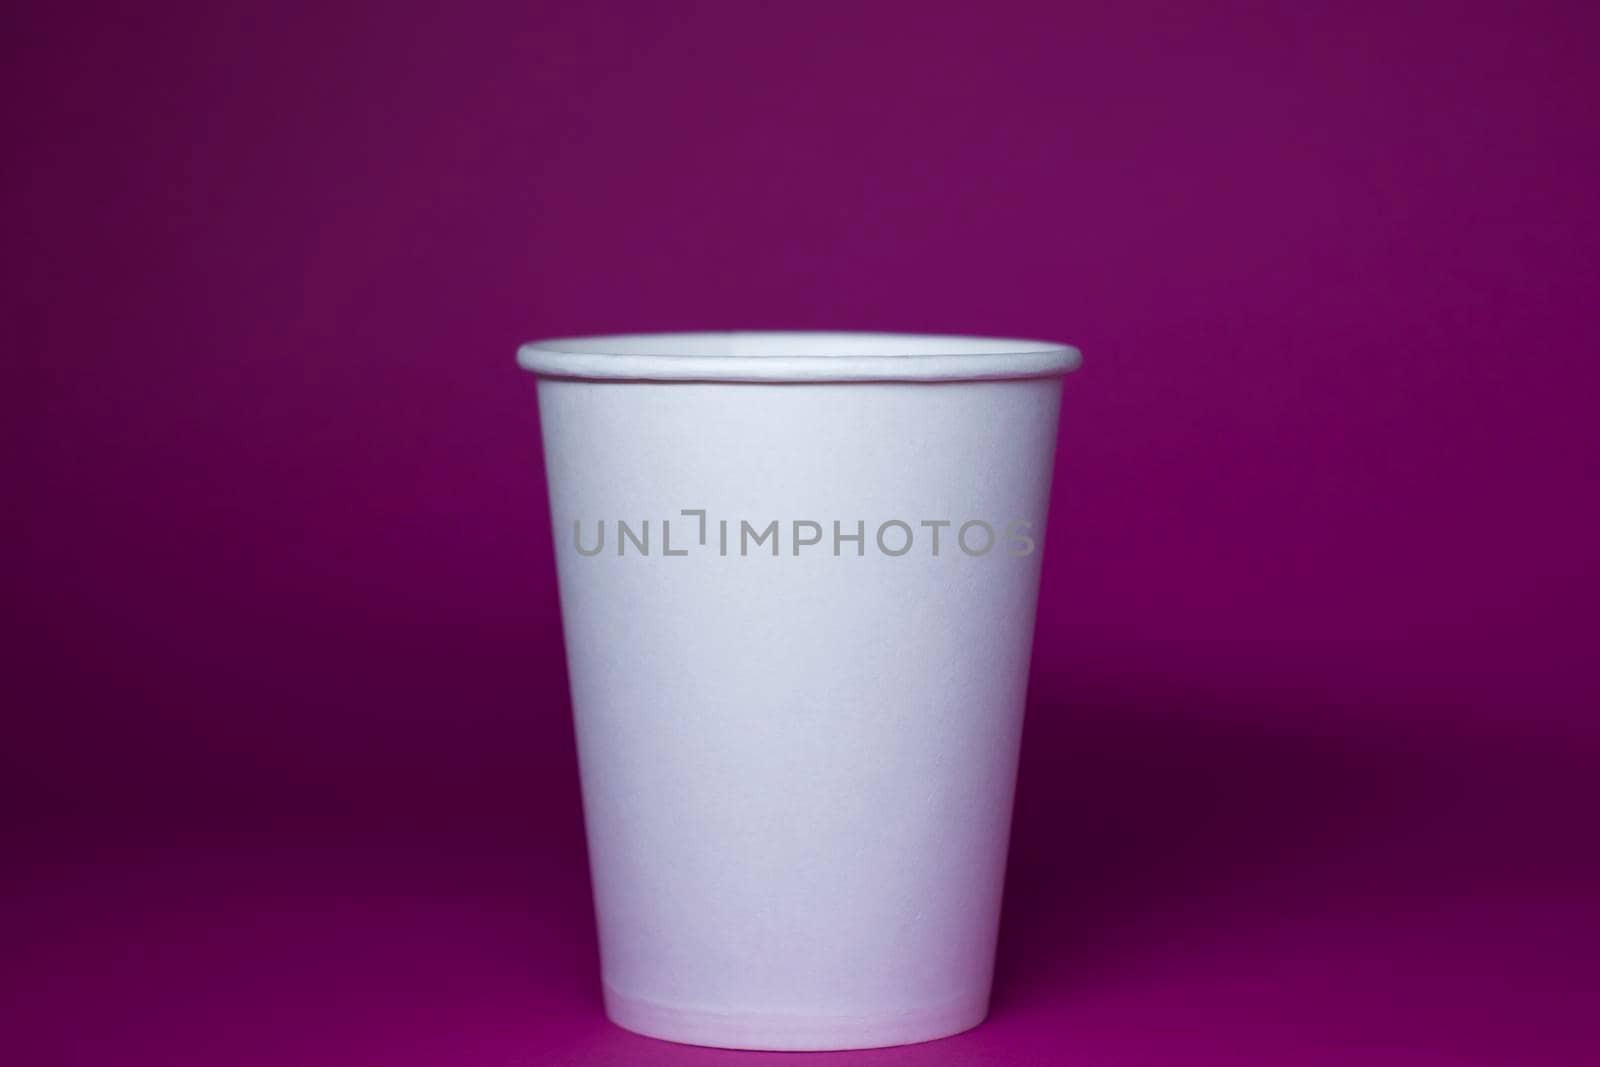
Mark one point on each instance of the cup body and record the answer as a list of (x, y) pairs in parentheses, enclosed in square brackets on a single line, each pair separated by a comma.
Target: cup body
[(798, 616)]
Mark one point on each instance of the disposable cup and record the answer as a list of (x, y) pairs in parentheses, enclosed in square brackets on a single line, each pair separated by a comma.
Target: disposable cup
[(798, 574)]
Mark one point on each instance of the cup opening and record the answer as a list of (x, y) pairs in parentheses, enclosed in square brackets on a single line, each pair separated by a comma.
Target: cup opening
[(795, 356)]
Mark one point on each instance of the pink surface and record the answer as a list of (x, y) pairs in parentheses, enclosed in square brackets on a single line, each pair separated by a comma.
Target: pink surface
[(1313, 742)]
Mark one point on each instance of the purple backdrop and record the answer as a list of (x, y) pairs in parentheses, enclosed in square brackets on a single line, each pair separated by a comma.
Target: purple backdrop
[(1313, 740)]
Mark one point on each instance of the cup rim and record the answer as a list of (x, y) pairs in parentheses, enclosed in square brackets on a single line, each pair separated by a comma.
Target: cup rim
[(795, 356)]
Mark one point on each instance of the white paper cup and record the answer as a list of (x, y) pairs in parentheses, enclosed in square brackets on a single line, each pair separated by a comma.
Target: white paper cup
[(798, 749)]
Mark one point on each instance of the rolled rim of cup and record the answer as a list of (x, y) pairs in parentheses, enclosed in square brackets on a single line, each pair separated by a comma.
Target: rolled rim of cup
[(795, 356)]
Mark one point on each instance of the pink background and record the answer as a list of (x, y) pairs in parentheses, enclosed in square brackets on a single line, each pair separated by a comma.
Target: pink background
[(1311, 764)]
